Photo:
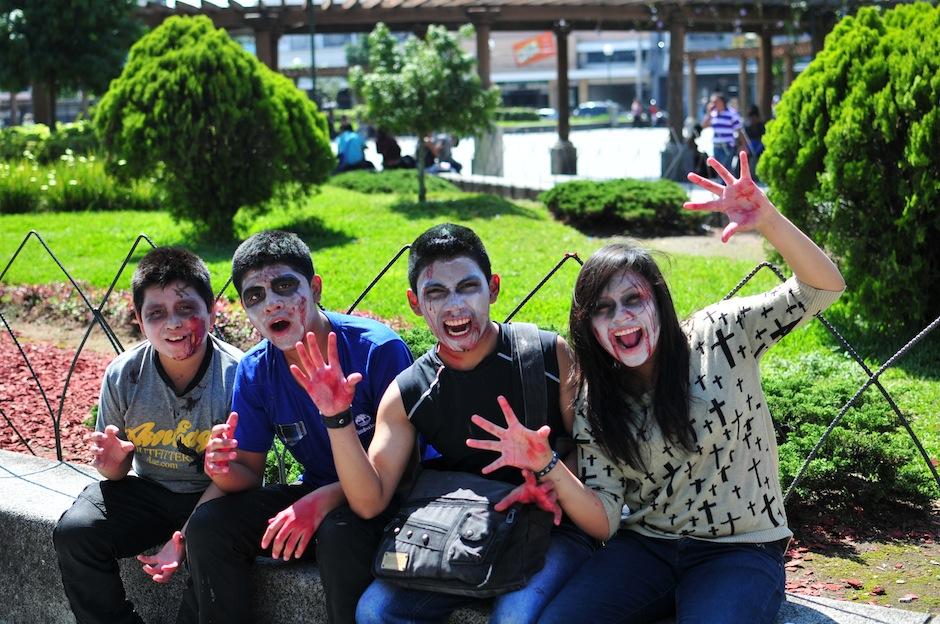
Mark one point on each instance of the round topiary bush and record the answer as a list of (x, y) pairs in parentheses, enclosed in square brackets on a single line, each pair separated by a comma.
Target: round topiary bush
[(221, 129), (853, 158), (636, 206)]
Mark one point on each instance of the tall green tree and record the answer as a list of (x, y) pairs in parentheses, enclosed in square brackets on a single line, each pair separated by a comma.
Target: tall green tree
[(853, 158), (221, 129), (14, 70), (428, 85), (64, 44)]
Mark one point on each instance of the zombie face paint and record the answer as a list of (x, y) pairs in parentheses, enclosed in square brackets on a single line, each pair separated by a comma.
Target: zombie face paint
[(280, 304), (454, 298), (625, 320), (175, 320)]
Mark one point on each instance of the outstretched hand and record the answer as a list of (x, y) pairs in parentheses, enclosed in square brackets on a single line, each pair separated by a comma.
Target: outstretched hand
[(517, 445), (220, 450), (109, 451), (741, 199), (542, 494), (290, 531), (328, 388), (165, 563)]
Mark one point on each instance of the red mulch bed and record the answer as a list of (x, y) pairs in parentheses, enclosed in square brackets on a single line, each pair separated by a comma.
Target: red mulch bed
[(23, 407)]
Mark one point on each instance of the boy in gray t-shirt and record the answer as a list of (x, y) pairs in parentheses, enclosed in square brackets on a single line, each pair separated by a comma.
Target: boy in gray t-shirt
[(159, 402)]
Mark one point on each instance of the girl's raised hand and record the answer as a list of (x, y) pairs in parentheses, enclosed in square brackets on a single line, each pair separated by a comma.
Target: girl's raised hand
[(744, 203)]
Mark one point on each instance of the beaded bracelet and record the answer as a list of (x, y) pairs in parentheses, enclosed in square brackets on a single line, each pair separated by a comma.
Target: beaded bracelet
[(547, 469)]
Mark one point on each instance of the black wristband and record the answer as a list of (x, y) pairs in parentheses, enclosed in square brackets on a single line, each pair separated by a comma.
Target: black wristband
[(337, 421), (547, 469)]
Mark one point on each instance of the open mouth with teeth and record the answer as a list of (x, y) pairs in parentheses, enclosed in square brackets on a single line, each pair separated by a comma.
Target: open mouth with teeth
[(628, 338), (457, 327), (177, 339)]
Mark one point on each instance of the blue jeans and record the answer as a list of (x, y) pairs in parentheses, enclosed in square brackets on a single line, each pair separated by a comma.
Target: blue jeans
[(644, 579), (725, 153), (391, 604)]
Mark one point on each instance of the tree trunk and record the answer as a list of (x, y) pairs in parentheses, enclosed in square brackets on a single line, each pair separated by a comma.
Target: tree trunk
[(44, 103), (422, 151)]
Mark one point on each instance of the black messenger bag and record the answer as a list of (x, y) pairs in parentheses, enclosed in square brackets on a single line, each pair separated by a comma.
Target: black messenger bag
[(447, 537)]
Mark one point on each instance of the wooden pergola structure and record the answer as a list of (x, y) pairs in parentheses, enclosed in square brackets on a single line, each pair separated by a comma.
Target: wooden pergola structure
[(269, 19)]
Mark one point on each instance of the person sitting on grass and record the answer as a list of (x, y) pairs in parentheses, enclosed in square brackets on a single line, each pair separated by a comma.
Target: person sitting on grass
[(672, 422), (280, 292), (158, 403)]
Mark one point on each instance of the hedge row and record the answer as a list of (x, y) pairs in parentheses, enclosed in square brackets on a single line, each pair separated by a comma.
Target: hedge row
[(397, 181), (72, 183), (37, 143), (516, 114)]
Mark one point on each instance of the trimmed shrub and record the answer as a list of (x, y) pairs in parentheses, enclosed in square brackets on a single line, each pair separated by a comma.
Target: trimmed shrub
[(869, 456), (224, 130), (516, 114), (398, 181), (76, 138), (629, 204), (853, 158), (36, 142), (16, 141)]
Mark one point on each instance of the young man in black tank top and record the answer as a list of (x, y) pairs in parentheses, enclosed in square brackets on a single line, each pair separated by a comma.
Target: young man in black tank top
[(470, 371)]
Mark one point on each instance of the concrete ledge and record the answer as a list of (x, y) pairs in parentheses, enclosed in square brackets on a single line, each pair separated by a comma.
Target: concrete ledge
[(34, 492)]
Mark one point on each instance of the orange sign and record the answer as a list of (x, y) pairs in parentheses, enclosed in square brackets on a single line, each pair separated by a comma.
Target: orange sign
[(534, 49)]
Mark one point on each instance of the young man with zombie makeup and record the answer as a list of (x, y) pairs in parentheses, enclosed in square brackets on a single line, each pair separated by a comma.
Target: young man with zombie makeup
[(671, 421), (158, 404), (470, 371), (280, 292)]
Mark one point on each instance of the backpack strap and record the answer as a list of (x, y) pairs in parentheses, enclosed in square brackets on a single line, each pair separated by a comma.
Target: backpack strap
[(529, 360)]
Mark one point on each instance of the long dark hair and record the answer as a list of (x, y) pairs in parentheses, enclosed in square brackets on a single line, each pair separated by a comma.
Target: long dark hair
[(614, 425)]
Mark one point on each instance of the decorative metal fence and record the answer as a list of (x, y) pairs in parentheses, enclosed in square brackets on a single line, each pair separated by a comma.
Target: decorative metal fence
[(97, 318)]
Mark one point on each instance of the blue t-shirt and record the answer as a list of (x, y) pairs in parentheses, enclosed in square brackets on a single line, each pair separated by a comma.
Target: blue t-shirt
[(350, 148), (269, 401)]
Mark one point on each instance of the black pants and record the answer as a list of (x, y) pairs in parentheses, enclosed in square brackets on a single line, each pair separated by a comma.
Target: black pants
[(224, 537), (110, 520)]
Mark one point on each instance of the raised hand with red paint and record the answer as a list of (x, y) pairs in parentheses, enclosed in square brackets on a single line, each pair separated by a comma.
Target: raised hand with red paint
[(165, 563), (112, 455), (220, 450), (542, 494), (290, 531), (517, 445), (742, 200), (329, 389)]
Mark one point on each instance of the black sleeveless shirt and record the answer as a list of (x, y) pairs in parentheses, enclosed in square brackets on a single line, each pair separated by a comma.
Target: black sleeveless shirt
[(439, 402)]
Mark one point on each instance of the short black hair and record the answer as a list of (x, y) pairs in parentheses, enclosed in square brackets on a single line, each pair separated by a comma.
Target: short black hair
[(164, 265), (446, 241), (271, 247)]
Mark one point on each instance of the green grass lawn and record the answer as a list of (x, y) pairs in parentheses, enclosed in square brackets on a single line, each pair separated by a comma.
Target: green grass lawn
[(352, 236)]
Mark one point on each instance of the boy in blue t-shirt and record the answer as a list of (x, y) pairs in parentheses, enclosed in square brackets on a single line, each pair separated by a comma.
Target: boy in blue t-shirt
[(280, 292)]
